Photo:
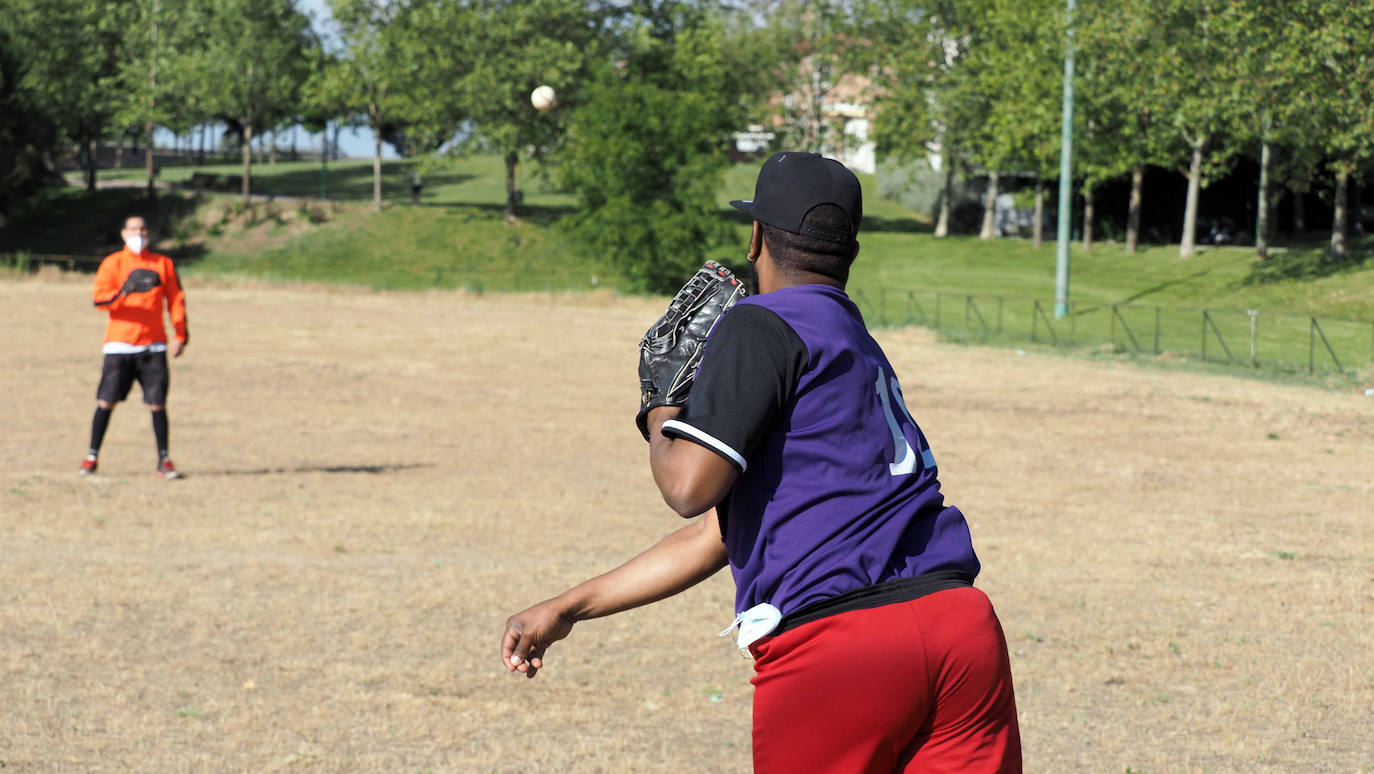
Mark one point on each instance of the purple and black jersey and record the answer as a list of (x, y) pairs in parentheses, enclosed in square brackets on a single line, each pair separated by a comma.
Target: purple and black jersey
[(838, 489)]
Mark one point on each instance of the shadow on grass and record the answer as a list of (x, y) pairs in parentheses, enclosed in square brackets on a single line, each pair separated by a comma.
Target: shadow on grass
[(349, 183), (874, 224), (69, 221), (1308, 262), (540, 215), (369, 469)]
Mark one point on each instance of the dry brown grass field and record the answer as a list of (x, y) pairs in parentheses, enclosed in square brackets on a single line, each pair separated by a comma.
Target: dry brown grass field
[(1184, 564)]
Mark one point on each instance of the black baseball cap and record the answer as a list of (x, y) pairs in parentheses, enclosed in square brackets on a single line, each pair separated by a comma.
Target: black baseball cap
[(791, 184)]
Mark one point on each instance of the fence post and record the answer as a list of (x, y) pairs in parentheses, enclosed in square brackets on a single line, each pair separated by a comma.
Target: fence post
[(1254, 332), (1311, 346), (1111, 326), (1038, 314), (1204, 335), (1326, 343)]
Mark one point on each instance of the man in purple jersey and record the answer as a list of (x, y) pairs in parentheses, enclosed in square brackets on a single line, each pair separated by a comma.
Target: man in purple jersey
[(854, 579)]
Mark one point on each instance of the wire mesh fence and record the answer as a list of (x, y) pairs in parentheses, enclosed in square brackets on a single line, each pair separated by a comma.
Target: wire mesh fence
[(1253, 337)]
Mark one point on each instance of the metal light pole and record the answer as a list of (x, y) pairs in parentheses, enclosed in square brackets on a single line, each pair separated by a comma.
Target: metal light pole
[(1061, 266)]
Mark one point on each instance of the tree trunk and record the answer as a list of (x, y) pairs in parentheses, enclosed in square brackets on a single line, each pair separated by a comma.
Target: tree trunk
[(247, 161), (1340, 206), (1299, 219), (377, 170), (1038, 228), (1262, 205), (512, 184), (200, 157), (1185, 246), (942, 220), (989, 230), (1087, 218), (92, 160), (1133, 209), (334, 149), (150, 164)]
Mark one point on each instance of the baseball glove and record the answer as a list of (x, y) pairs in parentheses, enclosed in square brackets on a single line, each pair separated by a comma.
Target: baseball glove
[(140, 281), (671, 350)]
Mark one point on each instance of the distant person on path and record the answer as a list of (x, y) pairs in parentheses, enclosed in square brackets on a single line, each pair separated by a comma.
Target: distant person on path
[(873, 651), (132, 285)]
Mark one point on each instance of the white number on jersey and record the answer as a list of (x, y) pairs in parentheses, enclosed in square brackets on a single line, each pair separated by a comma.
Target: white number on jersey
[(905, 461)]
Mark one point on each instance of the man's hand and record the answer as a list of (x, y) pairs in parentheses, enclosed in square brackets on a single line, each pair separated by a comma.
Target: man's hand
[(177, 346), (530, 633)]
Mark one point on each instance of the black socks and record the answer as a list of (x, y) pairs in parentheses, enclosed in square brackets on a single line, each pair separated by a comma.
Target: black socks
[(160, 432), (99, 422)]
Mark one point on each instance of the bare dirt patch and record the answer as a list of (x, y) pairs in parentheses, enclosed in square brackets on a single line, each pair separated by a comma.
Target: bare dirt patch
[(1183, 564)]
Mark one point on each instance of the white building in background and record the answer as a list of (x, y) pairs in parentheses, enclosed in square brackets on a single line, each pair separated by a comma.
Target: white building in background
[(855, 150)]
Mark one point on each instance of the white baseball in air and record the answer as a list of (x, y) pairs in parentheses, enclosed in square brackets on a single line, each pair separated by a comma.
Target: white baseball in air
[(543, 98)]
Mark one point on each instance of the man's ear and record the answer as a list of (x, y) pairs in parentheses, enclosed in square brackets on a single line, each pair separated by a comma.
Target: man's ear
[(855, 254), (755, 242)]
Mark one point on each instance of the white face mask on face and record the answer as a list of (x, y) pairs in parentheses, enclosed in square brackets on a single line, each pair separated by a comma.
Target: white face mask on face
[(136, 244)]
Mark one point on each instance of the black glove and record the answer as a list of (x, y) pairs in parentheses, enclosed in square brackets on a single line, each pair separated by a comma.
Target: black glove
[(671, 350), (140, 281)]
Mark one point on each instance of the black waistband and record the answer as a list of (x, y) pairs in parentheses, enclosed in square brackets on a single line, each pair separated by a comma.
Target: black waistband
[(877, 595)]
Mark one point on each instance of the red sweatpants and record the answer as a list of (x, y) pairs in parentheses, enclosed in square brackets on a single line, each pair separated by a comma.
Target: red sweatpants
[(920, 686)]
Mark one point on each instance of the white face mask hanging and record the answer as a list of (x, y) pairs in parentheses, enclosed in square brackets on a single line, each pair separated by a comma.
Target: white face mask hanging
[(136, 244), (753, 624)]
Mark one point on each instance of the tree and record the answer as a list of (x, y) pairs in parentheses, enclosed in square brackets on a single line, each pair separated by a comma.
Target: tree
[(1336, 42), (646, 148), (154, 87), (808, 44), (495, 53), (918, 49), (1011, 94), (376, 70), (1193, 82), (74, 81), (27, 135), (251, 65)]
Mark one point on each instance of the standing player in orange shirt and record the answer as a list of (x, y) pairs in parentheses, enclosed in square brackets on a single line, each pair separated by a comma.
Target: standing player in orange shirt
[(132, 285)]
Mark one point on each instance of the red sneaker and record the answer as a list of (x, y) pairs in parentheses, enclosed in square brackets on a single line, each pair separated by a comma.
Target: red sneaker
[(165, 469), (88, 466)]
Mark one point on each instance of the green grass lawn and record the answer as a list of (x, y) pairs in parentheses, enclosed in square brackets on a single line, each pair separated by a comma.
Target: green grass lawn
[(976, 289)]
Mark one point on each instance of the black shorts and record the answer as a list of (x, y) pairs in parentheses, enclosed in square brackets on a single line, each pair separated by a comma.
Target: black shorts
[(118, 374)]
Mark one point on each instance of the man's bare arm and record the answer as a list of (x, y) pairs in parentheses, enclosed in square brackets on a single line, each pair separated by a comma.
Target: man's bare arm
[(691, 477), (677, 562)]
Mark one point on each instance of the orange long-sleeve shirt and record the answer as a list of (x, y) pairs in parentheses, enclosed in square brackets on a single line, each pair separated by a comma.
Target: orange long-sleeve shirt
[(136, 318)]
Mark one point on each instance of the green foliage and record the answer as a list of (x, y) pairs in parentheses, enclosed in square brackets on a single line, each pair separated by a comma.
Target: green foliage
[(490, 55), (251, 64), (74, 80), (915, 184), (918, 48), (27, 134), (645, 151)]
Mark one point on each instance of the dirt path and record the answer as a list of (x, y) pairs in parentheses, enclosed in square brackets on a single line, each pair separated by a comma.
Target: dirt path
[(1183, 564)]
